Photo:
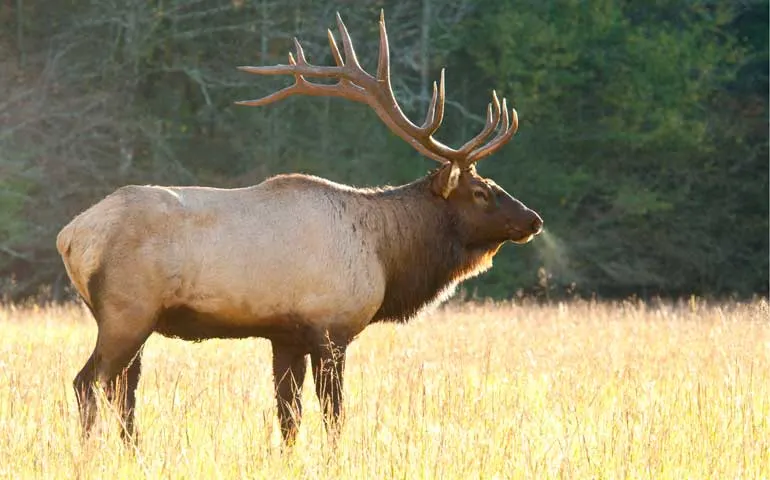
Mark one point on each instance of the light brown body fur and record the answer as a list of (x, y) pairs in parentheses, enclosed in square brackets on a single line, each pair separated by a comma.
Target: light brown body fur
[(292, 235)]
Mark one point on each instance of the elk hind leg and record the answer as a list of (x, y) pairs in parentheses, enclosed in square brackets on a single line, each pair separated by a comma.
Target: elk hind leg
[(122, 392), (117, 364), (85, 395)]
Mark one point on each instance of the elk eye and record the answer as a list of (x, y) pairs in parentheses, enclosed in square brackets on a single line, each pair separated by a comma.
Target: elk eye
[(480, 195)]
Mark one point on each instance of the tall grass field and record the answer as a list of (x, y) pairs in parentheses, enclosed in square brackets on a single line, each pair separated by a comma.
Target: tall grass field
[(568, 390)]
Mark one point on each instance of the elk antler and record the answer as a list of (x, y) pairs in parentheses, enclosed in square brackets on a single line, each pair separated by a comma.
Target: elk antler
[(356, 84)]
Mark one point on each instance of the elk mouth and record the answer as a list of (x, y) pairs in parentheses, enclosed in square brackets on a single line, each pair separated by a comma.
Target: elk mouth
[(522, 239), (519, 237)]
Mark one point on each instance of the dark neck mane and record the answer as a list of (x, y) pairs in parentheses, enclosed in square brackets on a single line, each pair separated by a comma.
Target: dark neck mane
[(420, 248)]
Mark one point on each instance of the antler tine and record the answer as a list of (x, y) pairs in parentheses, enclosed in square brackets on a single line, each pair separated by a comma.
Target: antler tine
[(335, 50), (430, 116), (273, 97), (504, 135), (383, 61), (347, 44), (301, 60), (435, 114)]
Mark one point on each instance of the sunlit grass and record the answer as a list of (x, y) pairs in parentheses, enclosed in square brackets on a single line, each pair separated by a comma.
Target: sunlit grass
[(579, 390)]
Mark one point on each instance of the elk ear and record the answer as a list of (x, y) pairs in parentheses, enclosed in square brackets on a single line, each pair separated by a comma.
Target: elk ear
[(446, 180)]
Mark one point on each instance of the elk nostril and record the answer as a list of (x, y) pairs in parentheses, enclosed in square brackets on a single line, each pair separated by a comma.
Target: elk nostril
[(537, 223)]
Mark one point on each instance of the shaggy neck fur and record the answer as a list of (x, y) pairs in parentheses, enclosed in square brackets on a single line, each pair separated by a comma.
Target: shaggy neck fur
[(421, 248)]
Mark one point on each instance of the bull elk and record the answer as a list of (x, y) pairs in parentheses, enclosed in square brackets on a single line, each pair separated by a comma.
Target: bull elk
[(299, 260)]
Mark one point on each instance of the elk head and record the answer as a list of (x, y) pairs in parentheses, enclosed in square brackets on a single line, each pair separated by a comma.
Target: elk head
[(487, 214)]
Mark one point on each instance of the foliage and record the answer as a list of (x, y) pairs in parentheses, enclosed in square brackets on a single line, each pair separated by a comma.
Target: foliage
[(643, 138), (629, 141)]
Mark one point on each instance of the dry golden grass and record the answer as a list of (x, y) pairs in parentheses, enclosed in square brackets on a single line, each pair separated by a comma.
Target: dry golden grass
[(577, 390)]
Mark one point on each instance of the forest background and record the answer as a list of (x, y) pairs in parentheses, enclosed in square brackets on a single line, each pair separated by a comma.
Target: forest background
[(643, 137)]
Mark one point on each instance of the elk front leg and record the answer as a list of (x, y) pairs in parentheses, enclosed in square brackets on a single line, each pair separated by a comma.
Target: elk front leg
[(288, 373), (328, 361)]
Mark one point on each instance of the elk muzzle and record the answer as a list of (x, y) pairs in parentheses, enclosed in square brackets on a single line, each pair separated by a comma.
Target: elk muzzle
[(523, 223)]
